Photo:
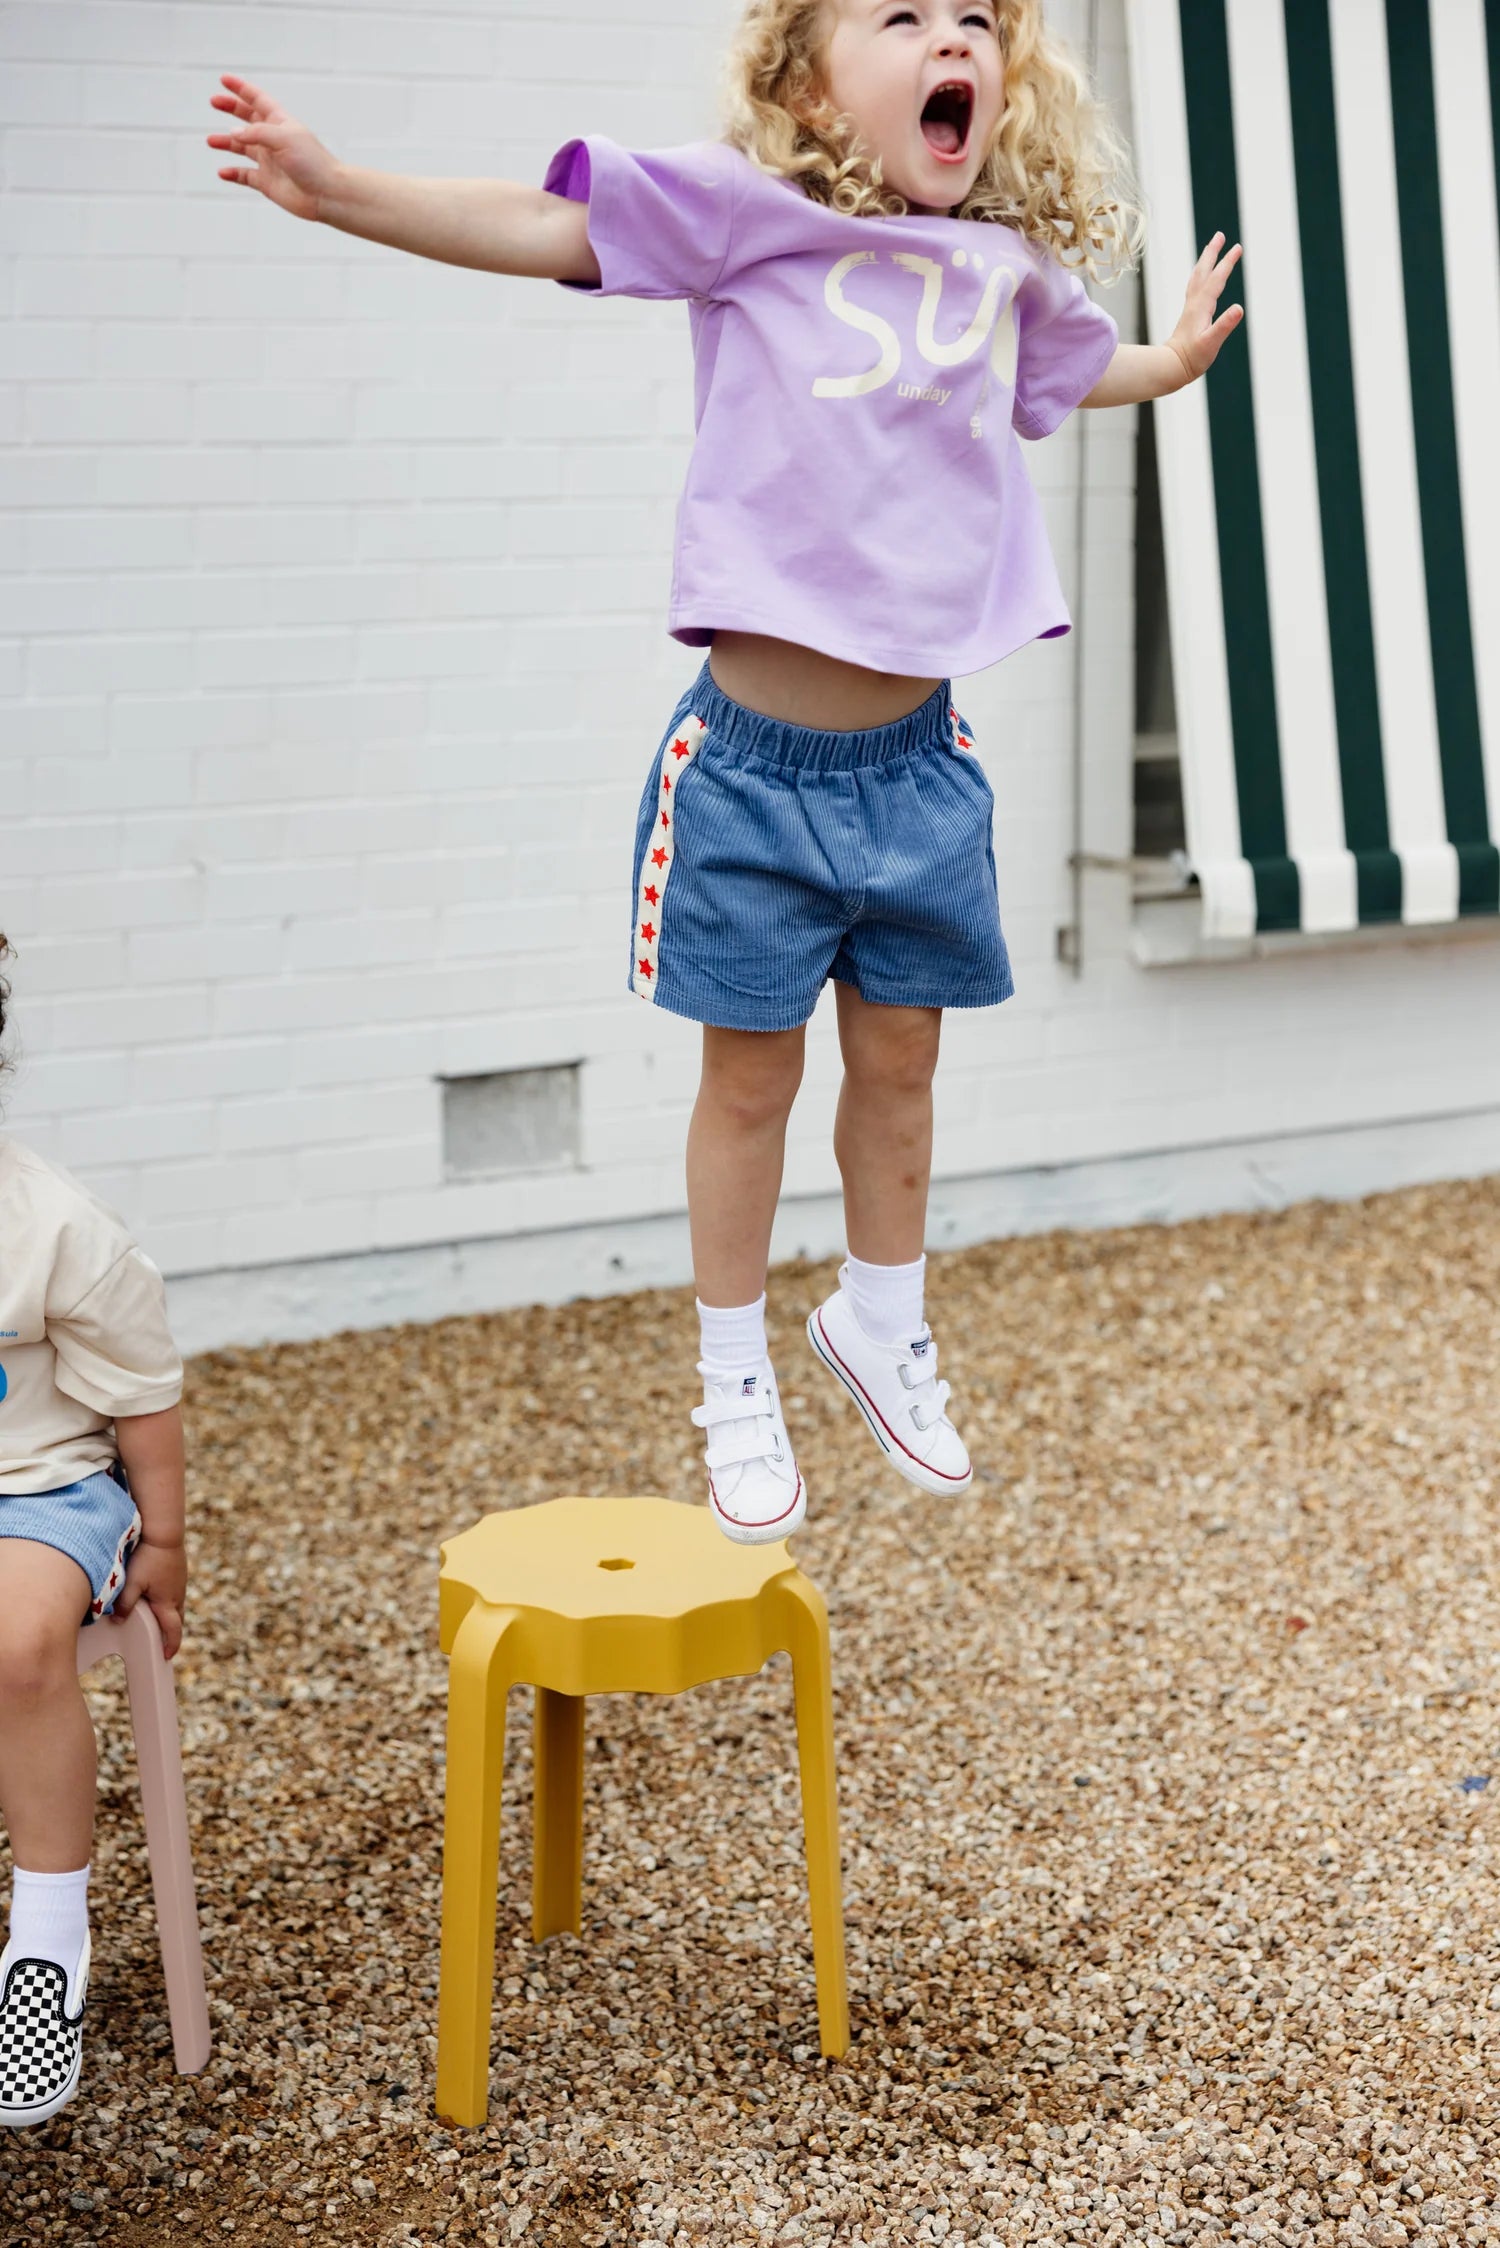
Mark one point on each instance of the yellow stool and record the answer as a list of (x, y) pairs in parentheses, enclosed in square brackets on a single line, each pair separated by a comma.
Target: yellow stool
[(604, 1596)]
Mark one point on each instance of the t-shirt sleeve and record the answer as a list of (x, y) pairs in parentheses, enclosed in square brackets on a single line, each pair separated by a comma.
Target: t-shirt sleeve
[(660, 223), (115, 1352), (1064, 344)]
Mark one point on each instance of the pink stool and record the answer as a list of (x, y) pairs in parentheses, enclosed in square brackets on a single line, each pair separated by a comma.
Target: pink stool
[(153, 1717)]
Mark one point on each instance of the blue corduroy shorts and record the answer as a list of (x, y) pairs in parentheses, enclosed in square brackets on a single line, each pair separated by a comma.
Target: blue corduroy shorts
[(94, 1522), (769, 857)]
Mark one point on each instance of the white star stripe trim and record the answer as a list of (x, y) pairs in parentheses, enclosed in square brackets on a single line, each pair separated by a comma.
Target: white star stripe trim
[(962, 738), (680, 750)]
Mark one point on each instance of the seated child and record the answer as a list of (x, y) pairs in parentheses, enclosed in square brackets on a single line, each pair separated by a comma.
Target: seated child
[(91, 1521), (883, 261)]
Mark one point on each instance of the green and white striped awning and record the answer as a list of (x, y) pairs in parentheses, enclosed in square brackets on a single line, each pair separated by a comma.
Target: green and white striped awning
[(1331, 493)]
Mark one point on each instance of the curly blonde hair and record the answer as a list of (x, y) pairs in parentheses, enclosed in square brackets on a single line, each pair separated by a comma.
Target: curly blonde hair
[(1056, 169)]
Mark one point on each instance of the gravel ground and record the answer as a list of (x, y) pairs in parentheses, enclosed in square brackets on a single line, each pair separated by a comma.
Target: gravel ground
[(1165, 1762)]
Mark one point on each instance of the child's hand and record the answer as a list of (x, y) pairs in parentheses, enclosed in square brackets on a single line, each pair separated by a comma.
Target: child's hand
[(157, 1574), (292, 167), (1198, 337)]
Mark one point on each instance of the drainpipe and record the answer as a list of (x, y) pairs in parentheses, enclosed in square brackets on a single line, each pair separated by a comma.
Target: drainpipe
[(1072, 946)]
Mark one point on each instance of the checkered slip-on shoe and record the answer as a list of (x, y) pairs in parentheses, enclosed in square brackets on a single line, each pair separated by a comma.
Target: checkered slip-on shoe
[(41, 2043)]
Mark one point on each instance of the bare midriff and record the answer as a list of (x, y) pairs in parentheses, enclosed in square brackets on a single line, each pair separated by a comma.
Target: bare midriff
[(806, 688)]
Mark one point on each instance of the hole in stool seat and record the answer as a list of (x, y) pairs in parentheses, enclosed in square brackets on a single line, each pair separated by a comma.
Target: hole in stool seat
[(617, 1564)]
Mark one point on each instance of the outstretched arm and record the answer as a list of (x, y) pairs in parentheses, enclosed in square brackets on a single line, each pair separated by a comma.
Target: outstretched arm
[(1153, 370), (498, 226)]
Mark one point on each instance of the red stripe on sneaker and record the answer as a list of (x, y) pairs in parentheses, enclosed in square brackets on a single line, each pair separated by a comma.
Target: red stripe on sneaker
[(847, 1374), (679, 752), (725, 1516)]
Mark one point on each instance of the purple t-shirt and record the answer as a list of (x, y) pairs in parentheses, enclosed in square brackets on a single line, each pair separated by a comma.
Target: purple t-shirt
[(856, 485)]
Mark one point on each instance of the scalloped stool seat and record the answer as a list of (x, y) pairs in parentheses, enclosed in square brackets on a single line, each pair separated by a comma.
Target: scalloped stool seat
[(604, 1596)]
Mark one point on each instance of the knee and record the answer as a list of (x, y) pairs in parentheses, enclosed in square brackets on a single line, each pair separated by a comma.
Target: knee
[(898, 1065), (36, 1665), (755, 1094)]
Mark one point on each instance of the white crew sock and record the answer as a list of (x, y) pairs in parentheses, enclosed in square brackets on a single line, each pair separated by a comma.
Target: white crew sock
[(887, 1299), (733, 1342), (49, 1918)]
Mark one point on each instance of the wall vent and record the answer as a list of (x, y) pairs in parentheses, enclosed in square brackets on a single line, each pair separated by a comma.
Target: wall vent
[(511, 1120)]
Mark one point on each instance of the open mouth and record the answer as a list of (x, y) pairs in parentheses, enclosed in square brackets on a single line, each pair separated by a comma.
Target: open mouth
[(945, 120)]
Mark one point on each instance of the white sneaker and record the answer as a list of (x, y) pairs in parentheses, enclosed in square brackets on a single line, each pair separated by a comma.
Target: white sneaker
[(755, 1493), (895, 1386), (41, 2037)]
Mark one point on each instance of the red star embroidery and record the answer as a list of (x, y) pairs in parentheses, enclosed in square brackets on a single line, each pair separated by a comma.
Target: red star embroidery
[(658, 858), (648, 934), (645, 967), (964, 742), (679, 749), (665, 821), (666, 784), (651, 895)]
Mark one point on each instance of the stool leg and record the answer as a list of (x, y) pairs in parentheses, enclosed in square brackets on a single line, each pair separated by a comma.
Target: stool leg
[(812, 1677), (158, 1756), (478, 1679), (557, 1866)]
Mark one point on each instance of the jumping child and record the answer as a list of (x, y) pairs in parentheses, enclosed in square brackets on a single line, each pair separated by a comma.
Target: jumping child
[(882, 260), (91, 1502)]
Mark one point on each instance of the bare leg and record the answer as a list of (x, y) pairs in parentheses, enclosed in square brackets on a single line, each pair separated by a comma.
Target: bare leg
[(735, 1152), (882, 1134), (47, 1757)]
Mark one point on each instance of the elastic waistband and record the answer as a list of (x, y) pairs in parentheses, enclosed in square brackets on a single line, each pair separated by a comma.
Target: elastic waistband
[(776, 742)]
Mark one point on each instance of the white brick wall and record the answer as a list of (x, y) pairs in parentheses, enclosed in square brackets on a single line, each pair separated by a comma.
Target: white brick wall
[(315, 558)]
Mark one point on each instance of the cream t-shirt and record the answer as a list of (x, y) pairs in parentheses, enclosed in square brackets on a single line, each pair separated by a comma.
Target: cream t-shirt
[(84, 1339)]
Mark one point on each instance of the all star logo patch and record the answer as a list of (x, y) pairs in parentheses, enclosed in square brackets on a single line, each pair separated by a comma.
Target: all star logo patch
[(748, 1386), (921, 1346)]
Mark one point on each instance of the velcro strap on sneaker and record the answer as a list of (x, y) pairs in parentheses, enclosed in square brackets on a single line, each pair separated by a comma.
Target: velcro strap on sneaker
[(940, 1396), (733, 1409)]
